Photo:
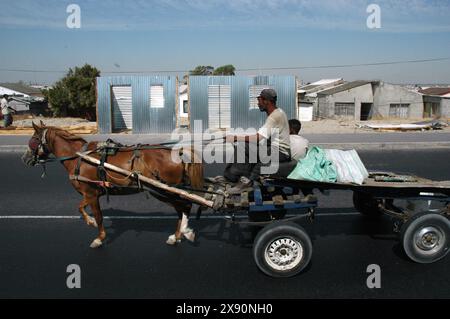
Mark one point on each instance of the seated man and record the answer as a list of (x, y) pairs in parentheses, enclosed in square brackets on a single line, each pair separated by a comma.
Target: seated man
[(276, 122), (299, 144)]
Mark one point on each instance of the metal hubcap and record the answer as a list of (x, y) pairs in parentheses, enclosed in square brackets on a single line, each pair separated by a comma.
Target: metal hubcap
[(283, 253), (429, 238)]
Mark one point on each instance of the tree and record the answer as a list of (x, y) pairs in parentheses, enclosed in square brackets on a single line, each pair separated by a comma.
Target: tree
[(225, 70), (202, 70), (74, 95), (58, 99)]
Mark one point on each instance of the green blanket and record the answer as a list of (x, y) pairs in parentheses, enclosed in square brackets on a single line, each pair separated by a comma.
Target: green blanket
[(315, 167)]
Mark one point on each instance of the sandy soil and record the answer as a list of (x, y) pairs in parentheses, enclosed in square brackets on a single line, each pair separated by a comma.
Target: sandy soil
[(22, 125)]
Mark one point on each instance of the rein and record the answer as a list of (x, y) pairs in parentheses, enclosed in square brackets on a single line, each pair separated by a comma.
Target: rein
[(164, 145), (42, 145)]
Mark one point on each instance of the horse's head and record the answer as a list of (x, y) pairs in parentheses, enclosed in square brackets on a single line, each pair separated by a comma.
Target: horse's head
[(37, 146)]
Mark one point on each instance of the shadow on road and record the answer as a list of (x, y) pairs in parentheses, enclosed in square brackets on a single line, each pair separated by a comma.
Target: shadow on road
[(224, 231)]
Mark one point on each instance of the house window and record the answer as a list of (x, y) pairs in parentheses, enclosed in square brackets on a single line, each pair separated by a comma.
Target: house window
[(185, 107), (219, 106), (344, 109), (399, 110), (253, 92), (157, 96)]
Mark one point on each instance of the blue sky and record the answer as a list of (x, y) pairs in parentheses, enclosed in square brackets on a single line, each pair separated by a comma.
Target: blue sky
[(180, 34)]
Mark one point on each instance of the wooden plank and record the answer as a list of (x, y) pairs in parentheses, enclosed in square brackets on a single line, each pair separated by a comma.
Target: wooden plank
[(244, 199), (297, 198), (195, 198), (208, 195), (278, 200)]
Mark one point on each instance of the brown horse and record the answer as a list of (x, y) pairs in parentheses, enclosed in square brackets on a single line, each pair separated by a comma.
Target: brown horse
[(156, 163)]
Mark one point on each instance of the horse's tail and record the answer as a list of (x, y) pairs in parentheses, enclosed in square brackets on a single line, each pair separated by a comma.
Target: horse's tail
[(194, 170)]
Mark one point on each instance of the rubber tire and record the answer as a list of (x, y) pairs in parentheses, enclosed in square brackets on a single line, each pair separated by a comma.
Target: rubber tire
[(366, 204), (279, 230), (416, 222)]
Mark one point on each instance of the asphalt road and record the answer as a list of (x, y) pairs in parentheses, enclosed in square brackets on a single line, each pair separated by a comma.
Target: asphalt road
[(135, 262)]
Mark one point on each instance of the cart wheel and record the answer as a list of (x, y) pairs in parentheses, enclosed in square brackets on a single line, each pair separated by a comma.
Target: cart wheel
[(425, 237), (366, 204), (282, 249)]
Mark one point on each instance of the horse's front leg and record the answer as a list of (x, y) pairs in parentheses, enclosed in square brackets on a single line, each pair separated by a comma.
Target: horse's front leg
[(95, 206), (90, 221)]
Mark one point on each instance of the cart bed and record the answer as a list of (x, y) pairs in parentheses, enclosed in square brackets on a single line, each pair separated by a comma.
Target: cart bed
[(382, 184)]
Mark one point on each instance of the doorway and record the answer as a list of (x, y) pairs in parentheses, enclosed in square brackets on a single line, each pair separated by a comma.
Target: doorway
[(366, 111)]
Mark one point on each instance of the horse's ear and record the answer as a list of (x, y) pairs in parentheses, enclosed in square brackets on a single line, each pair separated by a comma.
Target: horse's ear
[(36, 128), (42, 123)]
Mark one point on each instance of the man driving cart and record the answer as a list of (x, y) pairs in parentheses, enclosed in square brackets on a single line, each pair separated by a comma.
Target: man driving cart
[(274, 134)]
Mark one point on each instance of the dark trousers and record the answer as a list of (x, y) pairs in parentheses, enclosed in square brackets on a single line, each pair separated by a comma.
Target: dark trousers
[(7, 120), (234, 171)]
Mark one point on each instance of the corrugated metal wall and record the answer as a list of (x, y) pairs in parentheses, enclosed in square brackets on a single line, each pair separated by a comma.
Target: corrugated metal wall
[(241, 114), (145, 119)]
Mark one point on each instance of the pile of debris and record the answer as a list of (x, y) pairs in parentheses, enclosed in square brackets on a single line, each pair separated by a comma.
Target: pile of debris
[(417, 126)]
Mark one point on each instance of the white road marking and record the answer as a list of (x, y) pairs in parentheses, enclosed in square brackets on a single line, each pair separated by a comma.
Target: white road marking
[(150, 217)]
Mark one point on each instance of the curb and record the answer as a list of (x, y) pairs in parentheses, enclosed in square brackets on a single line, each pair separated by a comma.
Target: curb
[(394, 146)]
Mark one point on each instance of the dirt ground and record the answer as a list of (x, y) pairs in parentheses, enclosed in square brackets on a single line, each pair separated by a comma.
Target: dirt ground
[(328, 126), (22, 125)]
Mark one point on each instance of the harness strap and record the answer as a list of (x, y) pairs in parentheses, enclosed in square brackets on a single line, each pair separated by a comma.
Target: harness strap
[(77, 168), (87, 180), (101, 167), (101, 171), (57, 159), (136, 154)]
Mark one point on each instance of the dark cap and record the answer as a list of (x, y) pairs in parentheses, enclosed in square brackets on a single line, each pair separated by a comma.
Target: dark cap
[(268, 94)]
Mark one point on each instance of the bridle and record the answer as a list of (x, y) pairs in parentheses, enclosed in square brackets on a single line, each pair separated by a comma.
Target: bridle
[(40, 150), (39, 147)]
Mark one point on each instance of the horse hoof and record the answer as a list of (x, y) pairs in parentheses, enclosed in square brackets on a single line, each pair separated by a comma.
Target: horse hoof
[(96, 243), (91, 222), (172, 240), (190, 236)]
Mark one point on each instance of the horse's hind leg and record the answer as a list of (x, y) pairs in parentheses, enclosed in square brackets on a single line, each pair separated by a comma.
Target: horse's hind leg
[(187, 232), (95, 206), (175, 238), (88, 219), (182, 225)]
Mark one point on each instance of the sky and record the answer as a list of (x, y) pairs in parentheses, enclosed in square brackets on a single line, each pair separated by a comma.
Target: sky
[(177, 35)]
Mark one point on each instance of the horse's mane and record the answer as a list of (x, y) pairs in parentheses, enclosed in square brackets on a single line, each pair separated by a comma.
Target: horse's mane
[(64, 134)]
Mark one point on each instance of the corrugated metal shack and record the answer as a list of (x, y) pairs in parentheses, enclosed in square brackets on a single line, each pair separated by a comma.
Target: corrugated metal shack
[(148, 104), (230, 101), (143, 104)]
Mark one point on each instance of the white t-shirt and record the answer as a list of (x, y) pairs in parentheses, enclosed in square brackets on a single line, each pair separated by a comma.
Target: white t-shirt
[(299, 146), (4, 106), (277, 120)]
